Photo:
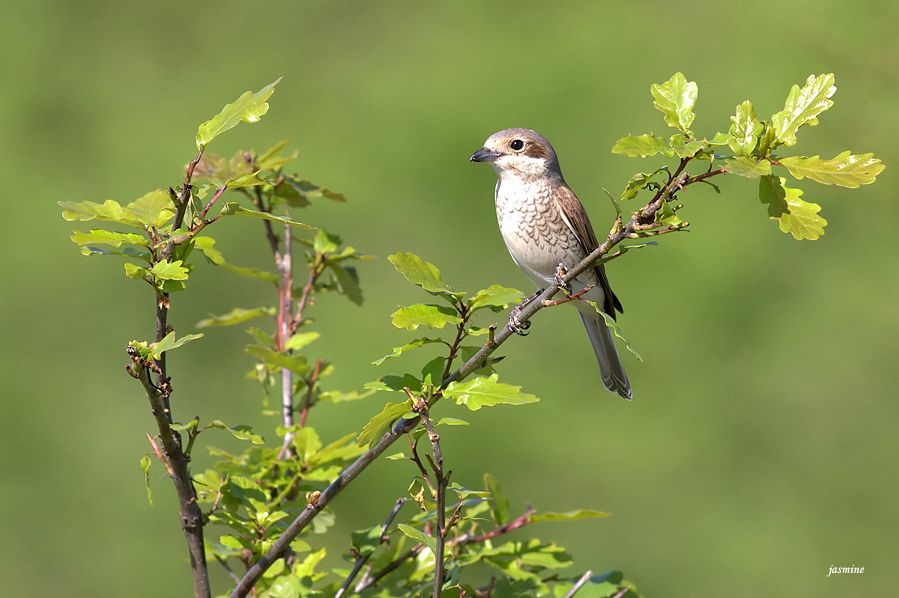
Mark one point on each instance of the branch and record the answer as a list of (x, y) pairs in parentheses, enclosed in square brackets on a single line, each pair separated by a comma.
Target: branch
[(442, 480), (579, 584), (517, 523), (191, 515), (619, 232), (363, 558)]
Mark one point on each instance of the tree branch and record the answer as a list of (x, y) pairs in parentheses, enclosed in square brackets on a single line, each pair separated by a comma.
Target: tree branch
[(618, 233), (579, 584), (363, 558)]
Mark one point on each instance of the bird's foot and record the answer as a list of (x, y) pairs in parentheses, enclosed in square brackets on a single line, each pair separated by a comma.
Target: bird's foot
[(516, 325), (559, 278)]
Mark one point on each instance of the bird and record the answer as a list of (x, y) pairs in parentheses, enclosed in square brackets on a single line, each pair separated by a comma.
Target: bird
[(546, 230)]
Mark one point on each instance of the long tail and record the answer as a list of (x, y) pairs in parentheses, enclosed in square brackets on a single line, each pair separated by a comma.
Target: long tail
[(610, 367)]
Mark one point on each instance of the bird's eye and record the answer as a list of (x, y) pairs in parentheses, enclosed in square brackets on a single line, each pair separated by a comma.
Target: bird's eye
[(516, 144)]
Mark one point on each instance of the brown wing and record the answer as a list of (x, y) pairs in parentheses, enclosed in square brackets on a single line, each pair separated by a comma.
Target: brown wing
[(575, 216)]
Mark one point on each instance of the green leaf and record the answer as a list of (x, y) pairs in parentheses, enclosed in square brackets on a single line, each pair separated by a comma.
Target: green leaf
[(747, 166), (569, 515), (240, 432), (145, 463), (803, 106), (136, 272), (152, 209), (495, 297), (641, 146), (347, 280), (637, 183), (232, 208), (251, 272), (802, 220), (166, 270), (744, 130), (207, 246), (772, 194), (667, 214), (486, 392), (325, 242), (675, 99), (309, 189), (418, 535), (295, 363), (168, 343), (271, 159), (421, 273), (432, 316), (300, 340), (613, 326), (110, 210), (249, 108), (845, 169), (397, 351), (684, 147), (380, 424), (451, 421), (499, 506), (366, 541), (238, 315), (108, 237)]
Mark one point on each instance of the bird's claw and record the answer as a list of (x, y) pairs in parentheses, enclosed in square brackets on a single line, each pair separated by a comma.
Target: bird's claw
[(559, 278), (515, 324)]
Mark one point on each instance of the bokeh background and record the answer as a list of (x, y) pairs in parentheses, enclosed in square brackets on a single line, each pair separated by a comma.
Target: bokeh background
[(761, 447)]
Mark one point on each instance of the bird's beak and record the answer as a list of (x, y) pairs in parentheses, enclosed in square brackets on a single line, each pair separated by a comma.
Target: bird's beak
[(484, 155)]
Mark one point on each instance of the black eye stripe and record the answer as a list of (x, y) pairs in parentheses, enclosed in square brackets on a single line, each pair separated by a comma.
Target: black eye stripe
[(516, 144)]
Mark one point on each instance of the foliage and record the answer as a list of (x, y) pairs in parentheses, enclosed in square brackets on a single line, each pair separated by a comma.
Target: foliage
[(753, 146), (262, 496)]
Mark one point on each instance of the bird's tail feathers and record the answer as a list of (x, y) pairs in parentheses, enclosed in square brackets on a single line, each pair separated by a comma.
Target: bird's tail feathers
[(610, 366)]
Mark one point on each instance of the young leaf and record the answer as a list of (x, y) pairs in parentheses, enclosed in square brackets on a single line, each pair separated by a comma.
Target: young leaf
[(165, 270), (744, 130), (613, 326), (432, 316), (251, 272), (249, 107), (238, 315), (418, 535), (845, 169), (240, 432), (486, 392), (347, 280), (675, 99), (151, 209), (495, 297), (421, 273), (684, 147), (295, 363), (641, 146), (569, 515), (232, 208), (380, 424), (397, 351), (802, 219), (300, 340), (110, 210), (747, 166), (108, 237), (207, 246), (145, 463), (499, 506), (772, 194), (325, 242), (803, 106), (168, 343), (135, 271)]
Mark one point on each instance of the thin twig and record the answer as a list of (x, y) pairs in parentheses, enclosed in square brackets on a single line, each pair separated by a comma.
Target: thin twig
[(363, 558), (579, 584), (389, 568), (517, 523), (442, 481)]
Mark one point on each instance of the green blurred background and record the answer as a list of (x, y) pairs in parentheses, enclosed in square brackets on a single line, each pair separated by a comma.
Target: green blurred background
[(761, 447)]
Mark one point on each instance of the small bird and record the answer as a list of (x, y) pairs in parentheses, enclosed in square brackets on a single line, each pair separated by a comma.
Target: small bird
[(546, 228)]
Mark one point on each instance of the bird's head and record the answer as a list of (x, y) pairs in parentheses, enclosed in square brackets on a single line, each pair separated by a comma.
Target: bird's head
[(519, 152)]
